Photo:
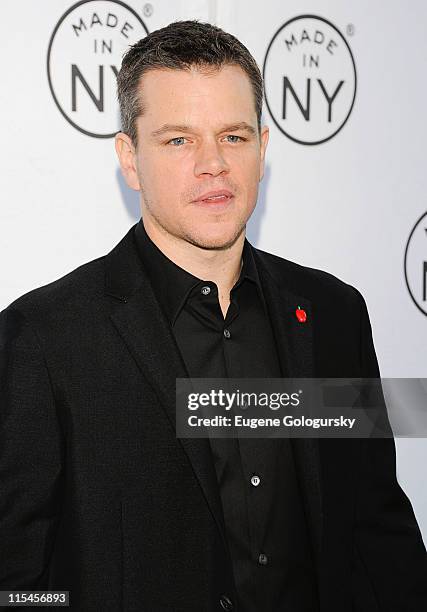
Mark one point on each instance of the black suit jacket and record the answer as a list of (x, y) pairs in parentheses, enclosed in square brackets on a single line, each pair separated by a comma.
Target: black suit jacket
[(100, 498)]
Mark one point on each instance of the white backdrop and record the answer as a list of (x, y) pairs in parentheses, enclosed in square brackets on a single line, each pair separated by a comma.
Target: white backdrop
[(346, 205)]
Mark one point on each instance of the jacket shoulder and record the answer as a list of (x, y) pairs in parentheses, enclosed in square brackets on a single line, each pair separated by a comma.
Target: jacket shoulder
[(70, 291), (312, 283)]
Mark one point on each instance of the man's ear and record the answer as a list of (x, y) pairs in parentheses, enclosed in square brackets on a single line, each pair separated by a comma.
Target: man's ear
[(127, 158), (265, 132)]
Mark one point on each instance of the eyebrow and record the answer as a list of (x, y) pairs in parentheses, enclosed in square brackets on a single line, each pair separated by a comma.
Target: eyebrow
[(170, 127)]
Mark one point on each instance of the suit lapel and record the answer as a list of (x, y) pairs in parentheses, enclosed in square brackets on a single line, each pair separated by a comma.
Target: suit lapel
[(145, 331), (295, 349)]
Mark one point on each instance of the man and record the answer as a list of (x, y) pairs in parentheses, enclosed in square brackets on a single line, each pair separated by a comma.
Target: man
[(99, 496)]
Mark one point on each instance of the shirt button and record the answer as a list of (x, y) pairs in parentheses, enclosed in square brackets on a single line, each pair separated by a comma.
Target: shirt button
[(255, 480), (262, 559), (227, 333), (206, 290), (226, 603)]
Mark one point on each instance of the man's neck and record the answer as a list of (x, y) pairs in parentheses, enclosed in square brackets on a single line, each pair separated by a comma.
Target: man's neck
[(221, 266)]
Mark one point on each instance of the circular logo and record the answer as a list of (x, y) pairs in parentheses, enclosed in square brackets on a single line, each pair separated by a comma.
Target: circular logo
[(83, 59), (416, 264), (309, 79)]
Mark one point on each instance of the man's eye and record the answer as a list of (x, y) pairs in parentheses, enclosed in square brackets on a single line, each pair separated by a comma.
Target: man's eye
[(177, 138), (234, 136)]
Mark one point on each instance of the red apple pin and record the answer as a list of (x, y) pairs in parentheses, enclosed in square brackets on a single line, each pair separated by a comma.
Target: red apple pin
[(301, 315)]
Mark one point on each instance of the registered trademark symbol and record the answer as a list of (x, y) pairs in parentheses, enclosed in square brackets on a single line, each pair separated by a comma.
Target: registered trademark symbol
[(147, 10), (350, 29)]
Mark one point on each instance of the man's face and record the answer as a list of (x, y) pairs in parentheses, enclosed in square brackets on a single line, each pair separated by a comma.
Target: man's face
[(213, 146)]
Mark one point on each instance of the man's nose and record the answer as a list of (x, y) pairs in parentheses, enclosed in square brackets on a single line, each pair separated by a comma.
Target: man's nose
[(210, 160)]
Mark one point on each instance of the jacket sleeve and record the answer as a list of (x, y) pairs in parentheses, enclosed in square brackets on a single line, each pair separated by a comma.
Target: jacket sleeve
[(30, 458), (388, 546)]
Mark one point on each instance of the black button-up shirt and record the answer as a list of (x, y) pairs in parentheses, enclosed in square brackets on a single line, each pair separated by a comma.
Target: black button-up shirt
[(263, 514)]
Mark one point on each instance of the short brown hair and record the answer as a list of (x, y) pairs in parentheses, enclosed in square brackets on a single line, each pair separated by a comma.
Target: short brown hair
[(181, 45)]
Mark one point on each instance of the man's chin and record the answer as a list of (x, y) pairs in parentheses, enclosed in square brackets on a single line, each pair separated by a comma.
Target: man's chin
[(215, 241)]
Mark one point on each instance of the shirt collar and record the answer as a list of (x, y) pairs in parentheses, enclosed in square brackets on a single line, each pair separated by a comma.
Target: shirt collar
[(171, 283)]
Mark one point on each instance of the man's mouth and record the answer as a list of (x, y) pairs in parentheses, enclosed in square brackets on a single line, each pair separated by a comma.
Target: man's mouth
[(219, 199), (215, 197)]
